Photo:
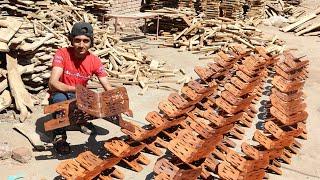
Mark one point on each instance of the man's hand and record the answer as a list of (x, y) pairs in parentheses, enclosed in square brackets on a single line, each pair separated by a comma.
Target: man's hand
[(105, 83)]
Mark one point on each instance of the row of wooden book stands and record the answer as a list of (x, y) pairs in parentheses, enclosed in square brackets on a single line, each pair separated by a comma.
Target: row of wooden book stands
[(197, 125)]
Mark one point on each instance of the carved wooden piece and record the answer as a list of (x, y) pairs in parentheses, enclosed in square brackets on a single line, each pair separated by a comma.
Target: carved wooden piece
[(130, 155), (171, 110), (272, 144), (285, 85), (189, 151), (105, 104), (163, 166), (88, 166), (289, 120), (66, 113), (141, 135)]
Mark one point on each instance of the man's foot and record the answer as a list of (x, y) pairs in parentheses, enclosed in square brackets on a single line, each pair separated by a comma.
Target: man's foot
[(88, 128), (61, 146)]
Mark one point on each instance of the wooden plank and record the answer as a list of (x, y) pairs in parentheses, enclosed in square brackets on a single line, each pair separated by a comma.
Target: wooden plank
[(23, 99), (11, 27), (301, 21), (308, 29)]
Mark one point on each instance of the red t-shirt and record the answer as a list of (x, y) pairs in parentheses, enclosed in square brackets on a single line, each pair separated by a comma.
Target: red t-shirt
[(77, 72)]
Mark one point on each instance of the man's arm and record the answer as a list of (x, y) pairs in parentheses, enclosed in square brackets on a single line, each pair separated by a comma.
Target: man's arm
[(105, 83), (55, 84)]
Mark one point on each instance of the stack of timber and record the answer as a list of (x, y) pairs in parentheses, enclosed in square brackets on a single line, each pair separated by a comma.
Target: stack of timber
[(98, 8), (158, 4), (185, 3), (211, 8), (171, 20), (30, 42), (20, 7), (280, 8), (167, 23), (232, 9), (308, 24), (257, 8), (209, 36), (101, 7)]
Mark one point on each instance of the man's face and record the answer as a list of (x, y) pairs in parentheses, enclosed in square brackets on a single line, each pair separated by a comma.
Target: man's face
[(81, 44)]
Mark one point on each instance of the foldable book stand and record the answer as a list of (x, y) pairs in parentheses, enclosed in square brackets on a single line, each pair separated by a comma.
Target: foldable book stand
[(88, 105)]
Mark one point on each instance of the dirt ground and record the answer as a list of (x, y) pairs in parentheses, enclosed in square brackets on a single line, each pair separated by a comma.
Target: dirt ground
[(305, 165)]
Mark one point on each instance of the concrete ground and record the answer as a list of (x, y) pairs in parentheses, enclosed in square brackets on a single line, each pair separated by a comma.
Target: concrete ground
[(305, 165)]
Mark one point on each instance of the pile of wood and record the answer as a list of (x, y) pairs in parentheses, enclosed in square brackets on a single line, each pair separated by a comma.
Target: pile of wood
[(159, 4), (171, 20), (186, 3), (308, 24), (280, 8), (33, 40), (167, 23), (232, 9), (20, 7), (209, 36), (211, 8), (98, 8), (257, 8)]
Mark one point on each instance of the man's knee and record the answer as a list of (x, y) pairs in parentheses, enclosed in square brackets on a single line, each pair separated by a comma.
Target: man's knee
[(58, 97)]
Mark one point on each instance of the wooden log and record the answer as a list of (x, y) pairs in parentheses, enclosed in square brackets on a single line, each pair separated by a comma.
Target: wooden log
[(114, 64), (23, 99), (308, 29), (180, 34)]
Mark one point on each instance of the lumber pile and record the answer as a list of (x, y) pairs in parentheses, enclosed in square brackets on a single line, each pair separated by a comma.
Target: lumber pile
[(232, 9), (307, 24), (186, 3), (171, 20), (20, 7), (32, 41), (257, 8), (102, 7), (159, 4), (282, 8), (211, 8), (98, 8), (167, 23), (209, 36)]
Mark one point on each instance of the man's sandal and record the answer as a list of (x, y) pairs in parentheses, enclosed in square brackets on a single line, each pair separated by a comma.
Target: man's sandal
[(61, 146)]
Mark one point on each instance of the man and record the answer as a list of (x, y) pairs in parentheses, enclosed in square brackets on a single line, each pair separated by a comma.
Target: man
[(72, 66)]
